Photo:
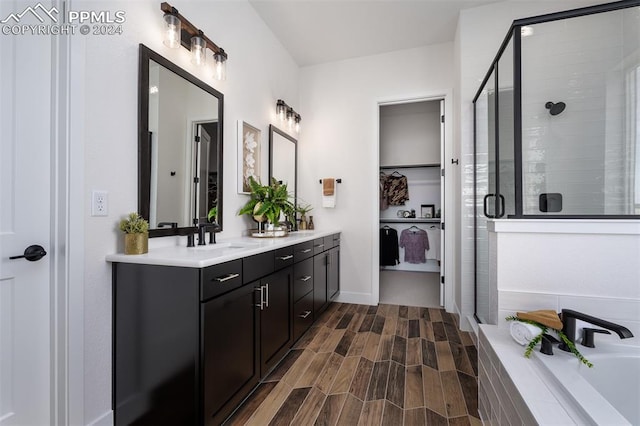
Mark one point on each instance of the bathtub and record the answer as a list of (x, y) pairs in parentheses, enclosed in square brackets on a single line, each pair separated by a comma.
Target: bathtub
[(607, 394)]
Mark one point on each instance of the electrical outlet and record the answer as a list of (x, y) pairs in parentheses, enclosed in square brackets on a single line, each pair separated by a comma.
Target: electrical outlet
[(99, 203)]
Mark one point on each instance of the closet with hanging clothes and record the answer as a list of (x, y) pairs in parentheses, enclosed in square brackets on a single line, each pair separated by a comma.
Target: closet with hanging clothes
[(411, 202)]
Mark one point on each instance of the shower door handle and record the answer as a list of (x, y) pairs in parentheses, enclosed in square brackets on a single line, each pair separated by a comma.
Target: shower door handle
[(486, 206), (501, 213), (501, 210)]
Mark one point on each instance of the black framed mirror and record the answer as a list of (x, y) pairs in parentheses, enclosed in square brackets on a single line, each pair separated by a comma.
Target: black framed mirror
[(180, 128), (283, 159)]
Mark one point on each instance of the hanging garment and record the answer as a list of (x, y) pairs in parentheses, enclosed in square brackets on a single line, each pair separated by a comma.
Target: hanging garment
[(415, 242), (384, 202), (434, 241), (389, 251), (397, 189)]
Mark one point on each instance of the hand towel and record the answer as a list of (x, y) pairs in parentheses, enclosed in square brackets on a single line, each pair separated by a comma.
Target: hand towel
[(546, 317), (328, 186), (523, 332), (329, 191)]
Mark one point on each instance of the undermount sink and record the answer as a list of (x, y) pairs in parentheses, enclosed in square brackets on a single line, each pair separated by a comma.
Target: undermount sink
[(225, 247)]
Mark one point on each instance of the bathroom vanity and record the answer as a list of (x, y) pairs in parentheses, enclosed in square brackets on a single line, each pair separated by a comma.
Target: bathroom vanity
[(196, 329)]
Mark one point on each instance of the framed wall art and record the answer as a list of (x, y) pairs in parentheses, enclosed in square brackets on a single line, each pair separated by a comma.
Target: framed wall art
[(249, 155)]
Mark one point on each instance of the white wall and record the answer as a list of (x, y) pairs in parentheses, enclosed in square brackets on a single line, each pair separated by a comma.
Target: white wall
[(339, 104), (105, 119), (479, 34), (410, 133)]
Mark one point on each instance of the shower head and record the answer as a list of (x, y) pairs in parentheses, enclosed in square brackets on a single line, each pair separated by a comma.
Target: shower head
[(555, 109)]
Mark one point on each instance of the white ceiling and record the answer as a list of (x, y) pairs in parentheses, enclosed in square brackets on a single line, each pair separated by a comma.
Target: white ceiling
[(317, 31)]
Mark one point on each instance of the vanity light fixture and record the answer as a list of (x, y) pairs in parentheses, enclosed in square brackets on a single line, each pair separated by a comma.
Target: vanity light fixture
[(290, 117), (297, 120), (198, 50), (179, 31), (285, 113), (220, 65), (173, 29), (281, 110)]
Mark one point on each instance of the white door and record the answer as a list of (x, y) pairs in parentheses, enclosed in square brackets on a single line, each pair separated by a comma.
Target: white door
[(442, 202), (25, 138)]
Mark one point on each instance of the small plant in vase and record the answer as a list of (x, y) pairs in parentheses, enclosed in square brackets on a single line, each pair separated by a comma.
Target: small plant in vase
[(303, 210), (267, 202), (136, 234)]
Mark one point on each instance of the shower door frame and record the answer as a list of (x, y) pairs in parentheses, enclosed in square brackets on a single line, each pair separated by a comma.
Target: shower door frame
[(514, 33)]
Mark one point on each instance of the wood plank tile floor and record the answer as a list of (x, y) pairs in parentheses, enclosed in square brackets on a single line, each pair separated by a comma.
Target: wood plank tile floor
[(372, 365)]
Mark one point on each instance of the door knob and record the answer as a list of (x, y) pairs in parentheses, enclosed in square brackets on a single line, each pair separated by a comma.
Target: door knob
[(32, 253)]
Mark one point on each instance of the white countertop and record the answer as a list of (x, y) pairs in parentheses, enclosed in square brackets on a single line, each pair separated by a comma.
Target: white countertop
[(213, 254)]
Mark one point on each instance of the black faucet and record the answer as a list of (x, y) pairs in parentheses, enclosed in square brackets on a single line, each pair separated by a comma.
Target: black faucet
[(212, 228), (569, 318)]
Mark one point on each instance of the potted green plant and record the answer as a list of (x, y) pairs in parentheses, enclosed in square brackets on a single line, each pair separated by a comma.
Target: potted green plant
[(267, 202), (136, 234), (303, 210), (212, 216)]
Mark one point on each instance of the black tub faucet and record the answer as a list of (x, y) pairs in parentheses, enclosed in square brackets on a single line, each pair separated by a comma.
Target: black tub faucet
[(569, 318)]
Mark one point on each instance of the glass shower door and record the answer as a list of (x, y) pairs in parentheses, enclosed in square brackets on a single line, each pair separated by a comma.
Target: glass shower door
[(484, 189)]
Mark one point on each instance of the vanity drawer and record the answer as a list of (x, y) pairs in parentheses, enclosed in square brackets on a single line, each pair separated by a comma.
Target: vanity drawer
[(328, 242), (257, 266), (219, 279), (302, 278), (336, 239), (302, 315), (318, 246), (302, 251), (283, 257)]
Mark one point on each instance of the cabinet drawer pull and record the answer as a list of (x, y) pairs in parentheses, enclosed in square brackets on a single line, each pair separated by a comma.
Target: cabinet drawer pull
[(305, 251), (266, 297), (287, 257), (305, 314), (261, 290), (305, 278), (227, 277), (319, 245)]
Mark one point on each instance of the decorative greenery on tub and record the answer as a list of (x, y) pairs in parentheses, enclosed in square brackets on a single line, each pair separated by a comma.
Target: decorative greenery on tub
[(533, 342)]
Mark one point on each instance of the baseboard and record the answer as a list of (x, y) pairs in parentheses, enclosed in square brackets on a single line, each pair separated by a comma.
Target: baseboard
[(353, 297), (104, 420)]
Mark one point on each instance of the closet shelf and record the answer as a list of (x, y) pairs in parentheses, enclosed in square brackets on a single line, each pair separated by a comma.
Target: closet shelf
[(410, 166), (409, 220)]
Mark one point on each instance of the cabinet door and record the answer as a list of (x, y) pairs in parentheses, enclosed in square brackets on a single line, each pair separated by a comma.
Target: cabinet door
[(155, 345), (333, 278), (319, 283), (276, 327), (230, 343)]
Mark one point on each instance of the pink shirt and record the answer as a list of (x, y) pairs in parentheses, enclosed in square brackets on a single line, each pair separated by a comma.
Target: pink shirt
[(415, 242)]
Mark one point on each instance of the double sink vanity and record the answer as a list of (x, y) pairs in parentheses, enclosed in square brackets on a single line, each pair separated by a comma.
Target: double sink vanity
[(196, 329)]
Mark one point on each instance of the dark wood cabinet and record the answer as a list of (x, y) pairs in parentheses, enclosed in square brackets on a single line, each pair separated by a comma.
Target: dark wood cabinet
[(333, 273), (276, 323), (156, 345), (319, 283), (189, 344), (230, 345)]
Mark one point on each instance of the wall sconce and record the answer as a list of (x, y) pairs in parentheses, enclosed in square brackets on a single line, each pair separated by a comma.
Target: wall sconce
[(179, 31), (285, 113)]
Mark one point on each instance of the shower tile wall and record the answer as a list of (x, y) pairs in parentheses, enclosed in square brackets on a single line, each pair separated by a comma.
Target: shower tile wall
[(589, 266), (582, 152)]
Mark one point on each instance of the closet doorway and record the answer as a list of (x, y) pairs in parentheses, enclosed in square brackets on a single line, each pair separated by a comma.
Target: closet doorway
[(411, 239)]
